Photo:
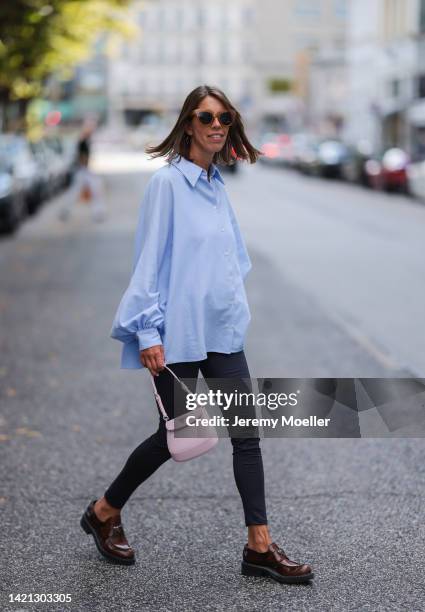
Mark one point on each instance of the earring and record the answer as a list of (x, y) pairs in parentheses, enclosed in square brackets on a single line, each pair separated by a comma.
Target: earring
[(187, 138)]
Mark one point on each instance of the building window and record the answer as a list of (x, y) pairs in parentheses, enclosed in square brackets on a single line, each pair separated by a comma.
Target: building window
[(395, 88), (178, 18), (202, 17), (340, 8), (308, 8), (159, 18), (247, 15), (247, 50), (225, 18)]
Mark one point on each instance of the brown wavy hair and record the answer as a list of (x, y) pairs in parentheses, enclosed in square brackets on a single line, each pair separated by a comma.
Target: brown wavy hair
[(177, 143)]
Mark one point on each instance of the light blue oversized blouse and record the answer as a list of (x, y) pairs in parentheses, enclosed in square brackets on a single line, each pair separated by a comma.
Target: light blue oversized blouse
[(190, 260)]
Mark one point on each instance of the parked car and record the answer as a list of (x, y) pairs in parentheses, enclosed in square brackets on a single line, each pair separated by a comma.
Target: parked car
[(277, 148), (388, 171), (12, 199), (65, 152), (354, 165), (57, 161), (51, 166), (286, 149), (268, 147), (331, 157), (305, 153), (44, 170), (22, 164)]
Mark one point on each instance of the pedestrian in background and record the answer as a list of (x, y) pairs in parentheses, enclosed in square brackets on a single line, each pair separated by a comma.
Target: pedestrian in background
[(86, 187), (186, 307)]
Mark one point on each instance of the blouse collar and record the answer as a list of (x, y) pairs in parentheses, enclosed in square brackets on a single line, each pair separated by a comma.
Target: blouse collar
[(192, 171)]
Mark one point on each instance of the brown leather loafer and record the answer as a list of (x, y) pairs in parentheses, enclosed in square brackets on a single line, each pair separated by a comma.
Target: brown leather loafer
[(276, 564), (109, 536)]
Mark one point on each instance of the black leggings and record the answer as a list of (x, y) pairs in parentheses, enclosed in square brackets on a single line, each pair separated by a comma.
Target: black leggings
[(153, 452)]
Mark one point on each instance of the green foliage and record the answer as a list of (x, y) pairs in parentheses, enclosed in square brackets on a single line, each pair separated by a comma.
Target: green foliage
[(39, 37), (278, 85)]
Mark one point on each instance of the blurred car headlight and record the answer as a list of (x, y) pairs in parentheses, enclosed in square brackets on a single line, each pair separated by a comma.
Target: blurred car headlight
[(331, 153), (373, 167), (394, 159), (270, 149)]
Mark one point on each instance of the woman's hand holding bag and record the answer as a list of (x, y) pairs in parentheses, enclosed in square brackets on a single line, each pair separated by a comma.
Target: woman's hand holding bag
[(153, 358), (183, 448)]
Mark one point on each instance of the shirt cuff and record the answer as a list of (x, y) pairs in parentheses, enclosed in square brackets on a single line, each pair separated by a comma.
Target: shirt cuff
[(148, 337)]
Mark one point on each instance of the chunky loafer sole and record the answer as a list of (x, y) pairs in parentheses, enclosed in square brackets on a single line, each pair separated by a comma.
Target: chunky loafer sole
[(85, 525), (250, 569)]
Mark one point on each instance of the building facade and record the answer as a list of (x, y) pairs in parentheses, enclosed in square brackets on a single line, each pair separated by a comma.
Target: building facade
[(182, 44), (252, 49), (385, 73), (291, 36)]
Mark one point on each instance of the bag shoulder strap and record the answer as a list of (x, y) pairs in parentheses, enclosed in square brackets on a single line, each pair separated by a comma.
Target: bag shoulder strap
[(158, 397)]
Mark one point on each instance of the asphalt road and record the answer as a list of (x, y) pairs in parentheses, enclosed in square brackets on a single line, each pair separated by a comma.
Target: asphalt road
[(335, 291)]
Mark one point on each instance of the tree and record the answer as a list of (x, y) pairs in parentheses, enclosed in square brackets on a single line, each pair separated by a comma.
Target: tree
[(39, 38)]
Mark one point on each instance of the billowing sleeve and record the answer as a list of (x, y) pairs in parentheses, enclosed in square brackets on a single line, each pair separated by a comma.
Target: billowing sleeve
[(139, 315), (243, 256)]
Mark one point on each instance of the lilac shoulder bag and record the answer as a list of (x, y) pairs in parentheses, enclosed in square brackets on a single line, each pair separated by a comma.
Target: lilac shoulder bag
[(183, 448)]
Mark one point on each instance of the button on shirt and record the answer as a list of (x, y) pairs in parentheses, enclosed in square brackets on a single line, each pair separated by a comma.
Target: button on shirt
[(186, 290)]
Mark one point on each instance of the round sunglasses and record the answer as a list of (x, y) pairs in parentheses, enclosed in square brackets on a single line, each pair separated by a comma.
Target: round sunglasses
[(206, 117)]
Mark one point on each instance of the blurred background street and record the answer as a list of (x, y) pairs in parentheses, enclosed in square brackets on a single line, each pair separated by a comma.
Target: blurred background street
[(333, 94)]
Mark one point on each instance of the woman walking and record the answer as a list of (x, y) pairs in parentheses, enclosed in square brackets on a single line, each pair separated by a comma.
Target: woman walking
[(186, 307), (86, 186)]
